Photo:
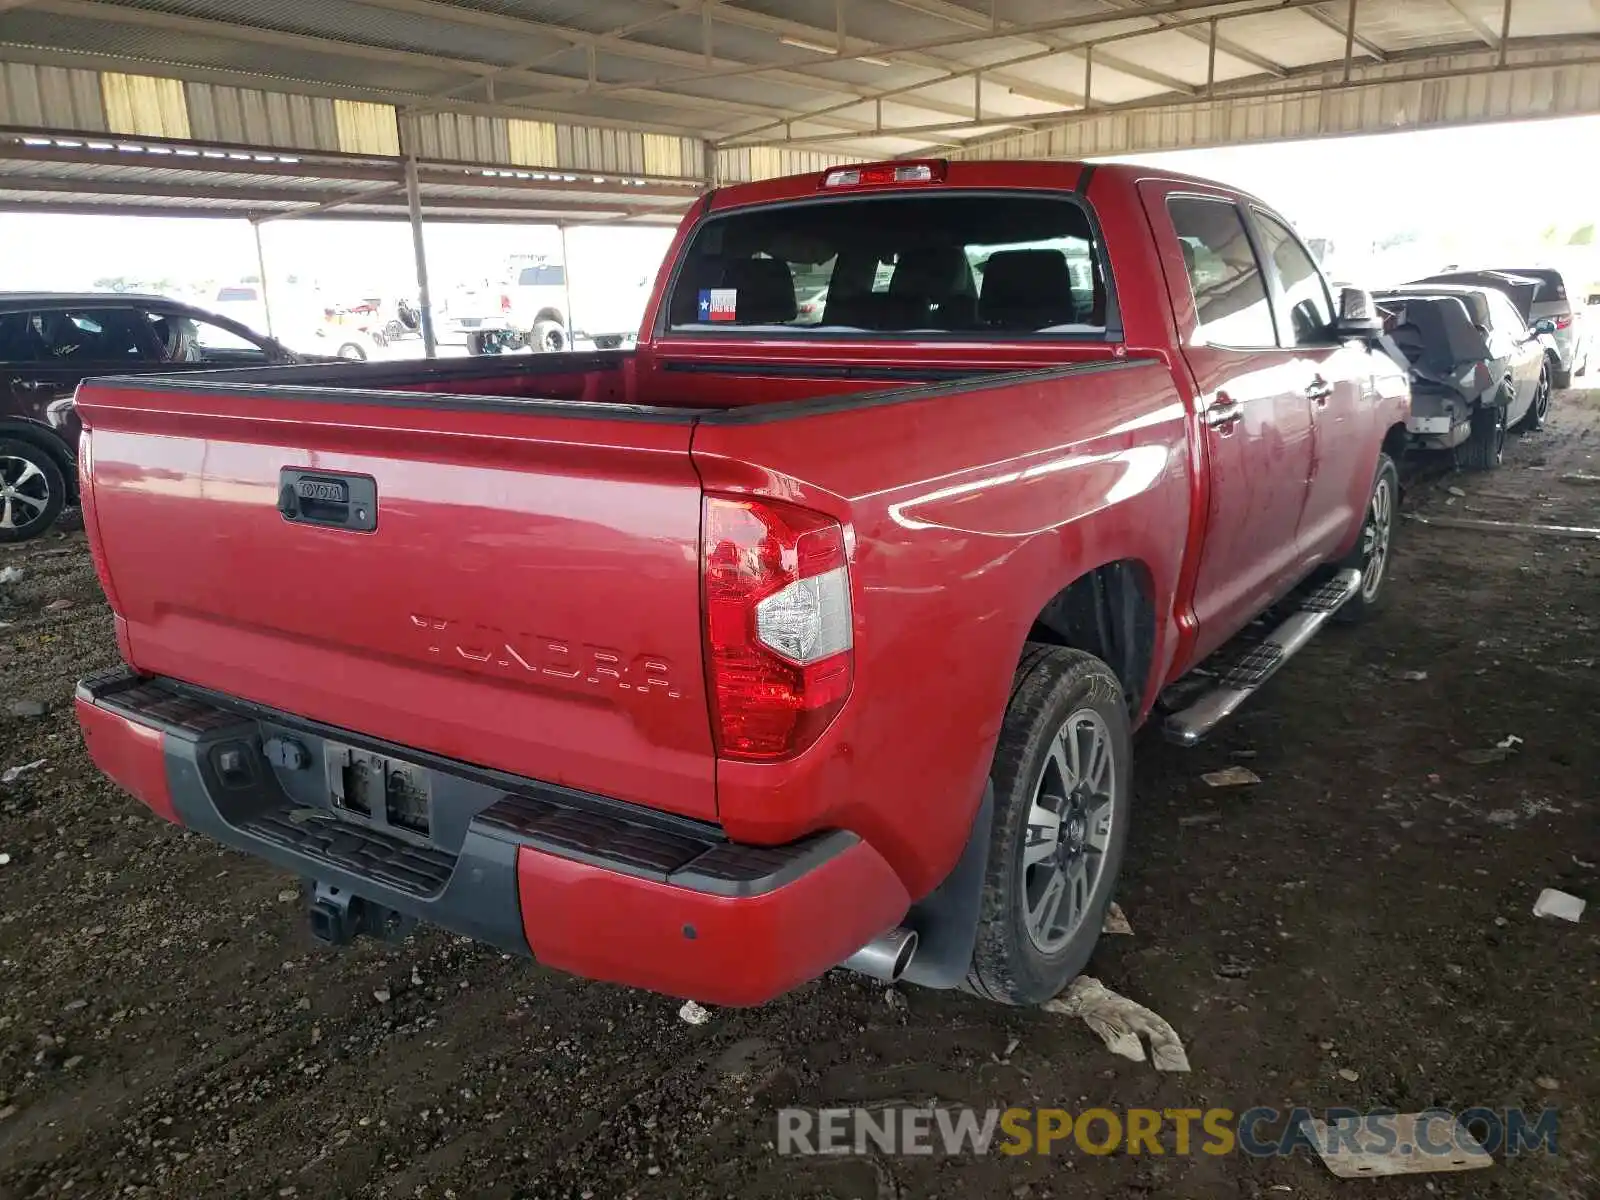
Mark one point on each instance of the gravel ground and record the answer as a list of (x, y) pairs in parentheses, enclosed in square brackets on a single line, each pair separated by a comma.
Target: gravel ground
[(168, 1028)]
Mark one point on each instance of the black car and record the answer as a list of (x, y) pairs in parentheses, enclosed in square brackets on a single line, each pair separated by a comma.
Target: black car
[(51, 341)]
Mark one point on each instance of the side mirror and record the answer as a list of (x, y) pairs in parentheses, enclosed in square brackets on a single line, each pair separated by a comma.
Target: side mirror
[(1358, 316), (1544, 326)]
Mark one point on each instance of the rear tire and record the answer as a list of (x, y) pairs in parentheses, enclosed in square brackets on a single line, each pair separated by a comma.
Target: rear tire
[(1485, 449), (32, 491), (1373, 550), (549, 337), (1534, 418), (1561, 378), (1062, 776)]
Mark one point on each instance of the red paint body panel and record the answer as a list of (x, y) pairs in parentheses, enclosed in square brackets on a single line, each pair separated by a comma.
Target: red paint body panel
[(744, 950), (530, 599), (131, 754), (965, 527)]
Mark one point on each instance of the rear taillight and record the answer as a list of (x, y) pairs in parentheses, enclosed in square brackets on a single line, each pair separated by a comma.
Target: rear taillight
[(505, 304), (779, 639), (1564, 322)]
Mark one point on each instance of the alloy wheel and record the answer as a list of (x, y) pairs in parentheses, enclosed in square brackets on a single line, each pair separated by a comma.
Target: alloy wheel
[(1375, 537), (1069, 830), (24, 493)]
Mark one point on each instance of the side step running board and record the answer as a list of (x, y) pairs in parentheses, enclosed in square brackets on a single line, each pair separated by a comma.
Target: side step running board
[(1188, 727)]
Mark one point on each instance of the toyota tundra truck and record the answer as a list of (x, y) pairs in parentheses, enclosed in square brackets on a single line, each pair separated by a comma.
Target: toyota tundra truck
[(783, 641)]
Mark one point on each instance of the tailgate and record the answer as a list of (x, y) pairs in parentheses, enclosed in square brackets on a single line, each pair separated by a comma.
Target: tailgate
[(527, 597)]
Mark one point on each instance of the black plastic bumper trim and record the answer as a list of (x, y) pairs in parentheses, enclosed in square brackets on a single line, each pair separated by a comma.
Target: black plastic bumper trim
[(472, 887)]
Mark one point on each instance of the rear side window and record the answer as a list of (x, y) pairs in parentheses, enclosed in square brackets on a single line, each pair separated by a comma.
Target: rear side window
[(1008, 265), (17, 344), (1230, 295), (84, 335), (1305, 295), (1504, 314)]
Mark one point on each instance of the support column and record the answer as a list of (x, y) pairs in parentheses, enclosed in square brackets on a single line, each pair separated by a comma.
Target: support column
[(261, 272), (430, 345), (566, 283)]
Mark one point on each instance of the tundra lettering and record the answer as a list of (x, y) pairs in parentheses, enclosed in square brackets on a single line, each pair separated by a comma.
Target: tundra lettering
[(647, 674)]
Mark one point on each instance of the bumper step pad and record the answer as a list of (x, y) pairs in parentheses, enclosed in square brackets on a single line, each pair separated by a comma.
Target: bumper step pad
[(592, 830)]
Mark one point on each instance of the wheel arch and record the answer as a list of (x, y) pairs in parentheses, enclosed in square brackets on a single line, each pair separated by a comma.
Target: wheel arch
[(1395, 441), (1109, 612), (550, 314), (13, 429)]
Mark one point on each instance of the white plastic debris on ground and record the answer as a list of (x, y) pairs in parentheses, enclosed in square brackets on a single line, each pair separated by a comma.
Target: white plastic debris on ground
[(1120, 1023), (1117, 922), (13, 773), (1354, 1149), (1562, 905), (1231, 777), (693, 1013), (10, 574)]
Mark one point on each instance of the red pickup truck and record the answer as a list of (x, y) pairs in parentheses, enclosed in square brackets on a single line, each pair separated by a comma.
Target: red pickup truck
[(804, 635)]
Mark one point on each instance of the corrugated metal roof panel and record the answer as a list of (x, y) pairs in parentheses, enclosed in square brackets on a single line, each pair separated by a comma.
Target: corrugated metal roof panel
[(370, 25), (144, 105), (248, 116), (366, 128), (51, 98), (461, 138), (136, 45), (1401, 102)]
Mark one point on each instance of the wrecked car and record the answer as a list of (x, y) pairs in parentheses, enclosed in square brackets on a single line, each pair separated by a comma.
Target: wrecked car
[(1477, 370)]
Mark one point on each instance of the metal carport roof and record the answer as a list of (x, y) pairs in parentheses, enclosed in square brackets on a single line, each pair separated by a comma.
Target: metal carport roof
[(607, 110), (43, 170), (856, 78)]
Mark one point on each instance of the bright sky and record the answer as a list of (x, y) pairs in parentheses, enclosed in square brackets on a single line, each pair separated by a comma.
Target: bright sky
[(1468, 194)]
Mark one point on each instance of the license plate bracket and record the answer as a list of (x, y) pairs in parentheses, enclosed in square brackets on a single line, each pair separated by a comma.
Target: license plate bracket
[(385, 792)]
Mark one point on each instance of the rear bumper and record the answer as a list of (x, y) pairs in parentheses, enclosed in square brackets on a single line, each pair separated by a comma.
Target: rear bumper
[(588, 885)]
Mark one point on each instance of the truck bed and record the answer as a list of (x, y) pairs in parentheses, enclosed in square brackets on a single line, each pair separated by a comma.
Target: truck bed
[(528, 598)]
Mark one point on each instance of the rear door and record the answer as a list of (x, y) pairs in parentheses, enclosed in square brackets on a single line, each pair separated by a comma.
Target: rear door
[(1254, 416), (1336, 380), (58, 348), (1524, 349)]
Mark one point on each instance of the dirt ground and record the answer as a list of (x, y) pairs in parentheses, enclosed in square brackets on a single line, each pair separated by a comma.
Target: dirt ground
[(168, 1028)]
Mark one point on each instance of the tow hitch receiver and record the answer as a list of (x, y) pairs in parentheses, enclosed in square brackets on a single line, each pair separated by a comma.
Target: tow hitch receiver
[(338, 916)]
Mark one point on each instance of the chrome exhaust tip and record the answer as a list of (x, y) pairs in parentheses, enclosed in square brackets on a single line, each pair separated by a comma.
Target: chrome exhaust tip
[(886, 956)]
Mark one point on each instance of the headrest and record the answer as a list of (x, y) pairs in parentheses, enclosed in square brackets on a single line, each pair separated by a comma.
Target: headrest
[(766, 290), (932, 273), (1027, 289)]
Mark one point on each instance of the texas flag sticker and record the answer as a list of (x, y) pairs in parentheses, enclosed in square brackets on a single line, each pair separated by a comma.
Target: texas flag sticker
[(719, 304)]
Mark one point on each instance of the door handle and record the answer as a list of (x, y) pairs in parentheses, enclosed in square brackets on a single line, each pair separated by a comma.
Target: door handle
[(1224, 412), (1320, 391), (335, 501)]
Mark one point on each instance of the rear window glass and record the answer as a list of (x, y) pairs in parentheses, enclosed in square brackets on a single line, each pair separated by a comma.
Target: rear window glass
[(542, 277), (236, 293), (1001, 265)]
